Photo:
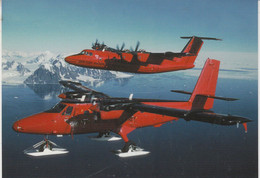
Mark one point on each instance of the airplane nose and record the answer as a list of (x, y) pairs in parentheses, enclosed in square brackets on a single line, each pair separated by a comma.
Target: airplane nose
[(68, 59), (16, 126)]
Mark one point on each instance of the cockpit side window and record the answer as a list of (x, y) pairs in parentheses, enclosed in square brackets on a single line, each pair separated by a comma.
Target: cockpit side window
[(57, 108), (68, 111), (86, 53)]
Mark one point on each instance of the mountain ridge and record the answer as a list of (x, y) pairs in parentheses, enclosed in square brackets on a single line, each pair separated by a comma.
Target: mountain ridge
[(49, 68)]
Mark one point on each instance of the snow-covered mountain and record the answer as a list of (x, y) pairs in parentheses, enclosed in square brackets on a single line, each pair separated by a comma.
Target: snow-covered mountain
[(49, 68), (14, 72)]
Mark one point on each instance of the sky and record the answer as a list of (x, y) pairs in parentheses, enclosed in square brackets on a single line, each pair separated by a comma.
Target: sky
[(64, 26)]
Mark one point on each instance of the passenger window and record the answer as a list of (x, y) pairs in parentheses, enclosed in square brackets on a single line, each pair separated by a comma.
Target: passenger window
[(68, 111), (90, 54)]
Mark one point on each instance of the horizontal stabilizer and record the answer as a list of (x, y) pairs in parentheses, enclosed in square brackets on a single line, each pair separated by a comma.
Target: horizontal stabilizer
[(196, 115), (182, 91), (202, 38), (220, 98), (214, 118), (209, 96)]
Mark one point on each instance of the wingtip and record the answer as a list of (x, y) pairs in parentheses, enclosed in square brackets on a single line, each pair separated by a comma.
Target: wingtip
[(245, 127), (218, 39), (186, 37)]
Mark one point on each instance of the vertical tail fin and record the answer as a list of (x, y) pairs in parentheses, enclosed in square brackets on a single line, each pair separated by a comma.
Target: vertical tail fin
[(195, 43), (193, 46), (206, 86)]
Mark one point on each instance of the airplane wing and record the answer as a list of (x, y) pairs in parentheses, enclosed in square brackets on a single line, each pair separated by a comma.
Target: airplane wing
[(78, 87)]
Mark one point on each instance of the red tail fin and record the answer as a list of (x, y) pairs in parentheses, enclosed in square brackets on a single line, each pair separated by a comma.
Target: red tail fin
[(195, 43), (193, 46), (206, 85)]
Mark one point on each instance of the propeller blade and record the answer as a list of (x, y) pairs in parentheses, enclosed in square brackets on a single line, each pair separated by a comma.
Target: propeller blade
[(137, 45), (131, 96), (122, 47), (117, 47)]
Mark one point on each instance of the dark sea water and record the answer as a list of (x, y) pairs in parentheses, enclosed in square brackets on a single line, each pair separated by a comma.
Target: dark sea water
[(178, 149)]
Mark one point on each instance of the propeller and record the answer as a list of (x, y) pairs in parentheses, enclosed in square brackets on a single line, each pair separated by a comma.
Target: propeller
[(96, 42), (120, 50), (122, 47), (134, 52), (136, 47)]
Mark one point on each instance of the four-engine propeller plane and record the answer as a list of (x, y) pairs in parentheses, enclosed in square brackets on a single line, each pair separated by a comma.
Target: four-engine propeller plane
[(138, 61), (87, 111)]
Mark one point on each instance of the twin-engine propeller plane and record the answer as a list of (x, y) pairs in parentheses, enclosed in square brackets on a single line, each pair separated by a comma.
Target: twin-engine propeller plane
[(138, 61), (87, 111)]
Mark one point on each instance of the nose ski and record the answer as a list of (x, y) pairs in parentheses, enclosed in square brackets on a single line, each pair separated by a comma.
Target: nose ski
[(45, 148)]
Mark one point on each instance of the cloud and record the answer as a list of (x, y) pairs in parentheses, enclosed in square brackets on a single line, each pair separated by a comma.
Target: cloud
[(236, 65)]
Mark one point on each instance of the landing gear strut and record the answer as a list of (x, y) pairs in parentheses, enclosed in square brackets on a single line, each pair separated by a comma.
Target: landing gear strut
[(46, 145), (105, 136), (128, 145)]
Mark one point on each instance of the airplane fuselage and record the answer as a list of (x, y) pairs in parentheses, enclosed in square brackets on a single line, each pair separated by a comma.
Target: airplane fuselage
[(60, 120), (138, 62)]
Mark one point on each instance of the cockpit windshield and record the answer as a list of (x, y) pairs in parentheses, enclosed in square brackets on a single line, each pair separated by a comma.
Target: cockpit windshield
[(86, 53), (57, 108), (82, 52)]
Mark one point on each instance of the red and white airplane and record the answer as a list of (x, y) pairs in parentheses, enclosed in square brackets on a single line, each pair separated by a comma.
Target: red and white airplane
[(85, 111), (138, 61)]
